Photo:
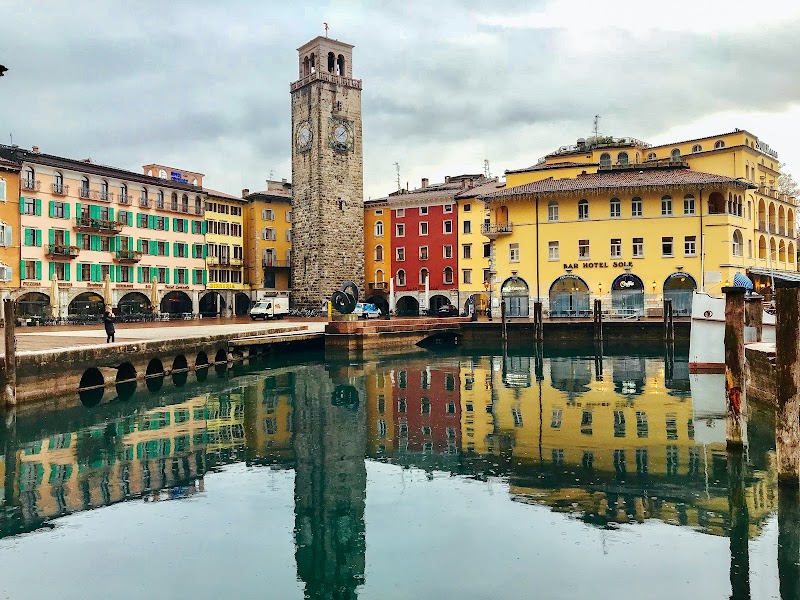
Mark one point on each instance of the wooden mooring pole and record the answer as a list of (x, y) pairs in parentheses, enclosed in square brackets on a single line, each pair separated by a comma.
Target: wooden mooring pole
[(538, 326), (787, 370), (789, 541), (734, 364), (503, 318), (753, 318), (669, 325), (739, 532), (598, 320), (9, 327)]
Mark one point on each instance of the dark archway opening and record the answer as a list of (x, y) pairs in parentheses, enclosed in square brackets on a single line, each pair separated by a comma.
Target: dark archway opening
[(154, 376), (201, 366), (91, 387), (87, 304), (212, 304), (436, 302), (380, 302), (126, 381), (33, 304), (241, 304), (134, 304), (176, 303), (180, 371), (407, 307)]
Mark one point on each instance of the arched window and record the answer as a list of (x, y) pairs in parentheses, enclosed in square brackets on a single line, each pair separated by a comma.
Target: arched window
[(312, 63), (378, 253), (636, 207), (781, 220), (688, 204), (749, 210), (58, 183), (790, 251), (675, 154), (762, 247), (340, 65), (198, 205), (719, 144), (173, 201), (104, 190), (666, 205), (448, 275), (185, 203), (782, 252), (423, 276), (84, 187), (143, 197), (123, 193), (762, 215), (772, 219), (615, 208), (29, 179), (401, 277), (773, 251), (331, 62), (378, 228), (605, 159), (583, 209), (305, 67), (160, 199), (162, 174), (749, 248), (697, 148), (552, 211), (651, 156), (737, 243), (622, 158), (379, 276), (790, 231)]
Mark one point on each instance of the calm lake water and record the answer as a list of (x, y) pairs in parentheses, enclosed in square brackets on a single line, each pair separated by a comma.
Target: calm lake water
[(473, 475)]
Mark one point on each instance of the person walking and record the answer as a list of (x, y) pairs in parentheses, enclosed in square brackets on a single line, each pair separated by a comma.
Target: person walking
[(108, 321)]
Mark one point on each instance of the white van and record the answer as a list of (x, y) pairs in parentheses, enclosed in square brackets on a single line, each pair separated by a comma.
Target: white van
[(270, 308)]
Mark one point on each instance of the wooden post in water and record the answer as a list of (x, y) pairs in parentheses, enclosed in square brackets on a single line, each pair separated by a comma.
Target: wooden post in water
[(787, 419), (789, 542), (669, 324), (538, 326), (503, 318), (598, 320), (10, 320), (734, 364), (753, 317), (740, 525)]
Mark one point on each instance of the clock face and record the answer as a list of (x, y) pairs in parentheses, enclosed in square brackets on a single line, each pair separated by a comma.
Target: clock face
[(304, 136), (340, 136)]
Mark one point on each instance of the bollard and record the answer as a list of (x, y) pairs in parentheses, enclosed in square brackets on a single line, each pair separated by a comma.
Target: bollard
[(734, 364), (787, 370), (9, 315), (789, 542), (538, 325), (598, 320), (669, 323), (503, 317), (753, 318)]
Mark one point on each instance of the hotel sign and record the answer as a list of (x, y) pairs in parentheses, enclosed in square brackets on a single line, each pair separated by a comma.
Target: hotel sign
[(598, 265), (766, 149)]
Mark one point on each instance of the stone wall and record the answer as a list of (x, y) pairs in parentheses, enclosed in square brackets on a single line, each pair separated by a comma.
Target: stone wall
[(760, 372)]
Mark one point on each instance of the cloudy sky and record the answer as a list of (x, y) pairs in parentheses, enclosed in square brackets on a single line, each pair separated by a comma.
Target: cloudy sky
[(204, 85)]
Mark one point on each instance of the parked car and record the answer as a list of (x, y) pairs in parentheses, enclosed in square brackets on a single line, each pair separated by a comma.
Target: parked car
[(367, 311), (448, 310)]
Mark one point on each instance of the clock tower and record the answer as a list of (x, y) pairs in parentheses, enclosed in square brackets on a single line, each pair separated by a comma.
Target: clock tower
[(327, 173)]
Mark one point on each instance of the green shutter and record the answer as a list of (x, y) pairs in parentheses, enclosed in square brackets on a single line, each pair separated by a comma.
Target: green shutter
[(38, 270), (139, 245), (166, 274), (153, 250), (37, 205), (79, 240), (94, 242), (78, 209), (203, 228), (194, 251), (194, 277), (66, 210), (138, 221), (78, 272), (151, 221), (111, 274), (110, 214), (186, 225), (66, 238), (174, 227), (21, 205), (67, 269), (51, 237), (205, 277), (113, 243), (119, 273), (22, 269), (166, 248), (139, 271), (166, 223), (174, 248), (28, 237), (175, 274), (130, 242), (51, 208), (97, 273), (38, 236), (205, 250), (51, 269)]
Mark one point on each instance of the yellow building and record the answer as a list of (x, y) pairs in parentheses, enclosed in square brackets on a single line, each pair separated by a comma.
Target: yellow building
[(268, 243), (269, 418), (381, 438), (9, 226), (377, 252), (631, 224), (224, 253)]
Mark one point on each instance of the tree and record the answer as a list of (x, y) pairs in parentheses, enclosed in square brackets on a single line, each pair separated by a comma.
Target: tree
[(787, 184)]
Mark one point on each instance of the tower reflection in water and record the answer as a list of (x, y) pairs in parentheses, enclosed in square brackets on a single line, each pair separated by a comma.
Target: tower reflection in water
[(603, 439)]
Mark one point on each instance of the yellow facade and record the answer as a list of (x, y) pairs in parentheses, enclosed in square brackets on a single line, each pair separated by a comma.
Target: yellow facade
[(9, 226), (269, 417), (268, 244), (381, 434), (377, 248), (225, 241), (651, 221)]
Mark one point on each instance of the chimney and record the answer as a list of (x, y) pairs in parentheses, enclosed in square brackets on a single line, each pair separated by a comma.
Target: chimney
[(283, 180), (424, 182), (447, 178), (465, 184), (245, 193), (35, 149)]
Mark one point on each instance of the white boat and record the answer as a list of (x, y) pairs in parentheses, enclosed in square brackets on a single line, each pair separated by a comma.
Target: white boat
[(707, 337)]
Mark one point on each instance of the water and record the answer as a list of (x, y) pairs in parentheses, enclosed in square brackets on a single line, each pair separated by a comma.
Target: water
[(469, 475)]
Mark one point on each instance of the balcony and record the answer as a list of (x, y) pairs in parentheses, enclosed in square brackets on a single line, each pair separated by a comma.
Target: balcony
[(31, 185), (198, 210), (274, 262), (62, 251), (217, 261), (495, 230), (103, 196), (236, 262), (85, 193), (144, 202), (125, 199), (379, 285), (184, 208), (59, 189), (128, 256), (98, 225), (173, 206)]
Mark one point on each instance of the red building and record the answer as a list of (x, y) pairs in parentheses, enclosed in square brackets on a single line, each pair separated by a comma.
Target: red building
[(424, 242)]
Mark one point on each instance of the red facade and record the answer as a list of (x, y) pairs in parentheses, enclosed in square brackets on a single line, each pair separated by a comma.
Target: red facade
[(434, 251)]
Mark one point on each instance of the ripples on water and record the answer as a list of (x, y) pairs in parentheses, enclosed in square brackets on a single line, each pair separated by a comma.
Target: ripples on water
[(475, 475)]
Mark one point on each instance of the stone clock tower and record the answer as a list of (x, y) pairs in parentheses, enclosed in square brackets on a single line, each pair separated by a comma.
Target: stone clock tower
[(327, 173)]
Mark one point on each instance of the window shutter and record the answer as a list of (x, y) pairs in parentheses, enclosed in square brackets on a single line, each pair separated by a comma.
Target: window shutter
[(194, 277), (79, 240), (194, 251), (67, 274), (111, 274), (166, 223), (51, 207), (205, 251), (130, 242), (138, 219), (79, 272), (119, 273), (203, 228), (51, 270), (110, 214), (37, 206), (51, 237), (113, 243), (38, 236), (174, 227), (38, 270), (205, 277), (186, 225), (175, 274), (138, 245), (166, 275), (21, 205), (166, 248), (139, 271), (94, 212), (66, 210), (78, 209), (174, 248), (22, 269), (28, 237), (66, 238), (94, 242)]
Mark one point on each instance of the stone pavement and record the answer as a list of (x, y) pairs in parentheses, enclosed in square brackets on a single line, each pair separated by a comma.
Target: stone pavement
[(52, 338)]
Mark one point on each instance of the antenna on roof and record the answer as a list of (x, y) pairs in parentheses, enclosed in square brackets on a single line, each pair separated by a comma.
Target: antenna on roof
[(270, 174), (326, 29), (397, 168), (487, 173), (596, 126)]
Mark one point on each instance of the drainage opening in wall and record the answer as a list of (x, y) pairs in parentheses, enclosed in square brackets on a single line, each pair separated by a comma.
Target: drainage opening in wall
[(180, 371), (221, 363), (91, 387), (154, 376), (126, 381), (201, 366)]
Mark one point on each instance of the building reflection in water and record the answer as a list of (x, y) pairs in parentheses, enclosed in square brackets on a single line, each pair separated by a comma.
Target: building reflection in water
[(606, 450)]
